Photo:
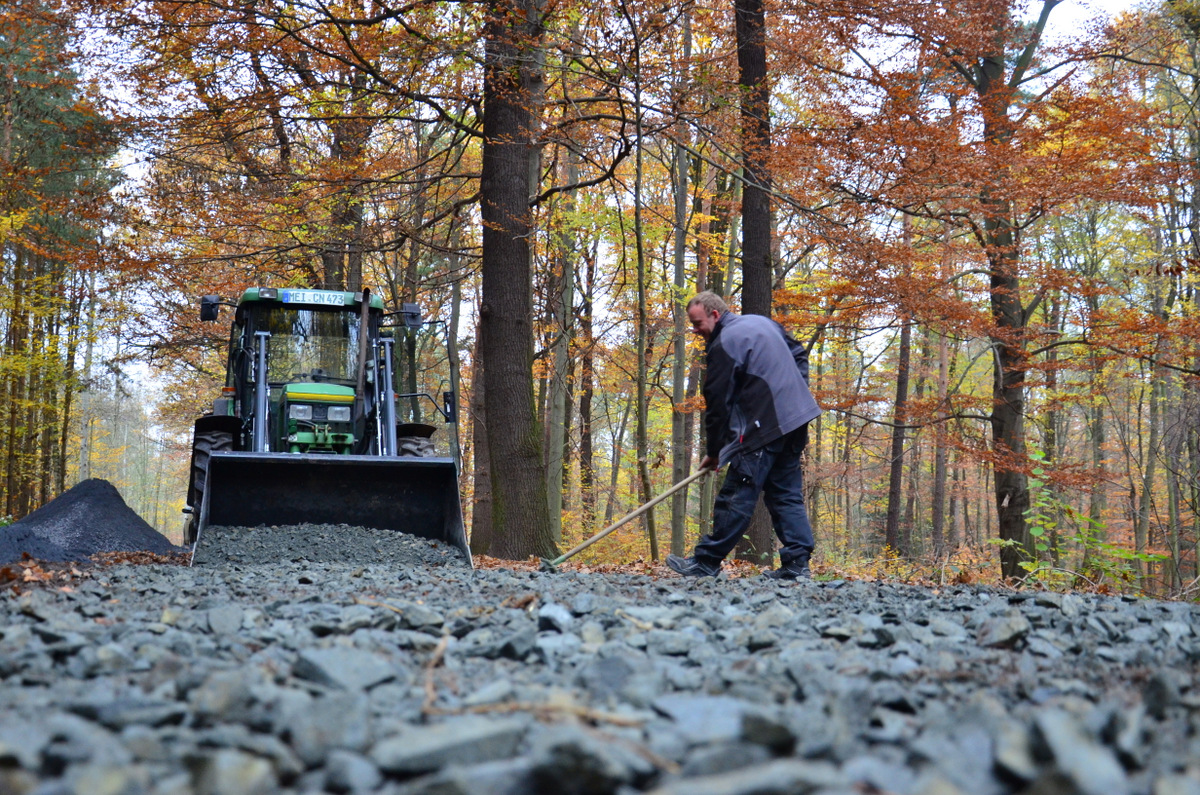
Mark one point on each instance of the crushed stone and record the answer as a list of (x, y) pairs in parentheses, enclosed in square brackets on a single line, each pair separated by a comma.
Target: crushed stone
[(88, 518)]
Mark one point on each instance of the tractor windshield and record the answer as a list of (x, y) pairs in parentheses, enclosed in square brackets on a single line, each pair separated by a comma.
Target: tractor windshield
[(310, 345)]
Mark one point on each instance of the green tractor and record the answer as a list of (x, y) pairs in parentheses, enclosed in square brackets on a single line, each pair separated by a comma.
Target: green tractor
[(311, 426)]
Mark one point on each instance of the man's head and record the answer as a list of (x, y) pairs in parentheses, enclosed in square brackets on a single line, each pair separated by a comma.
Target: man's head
[(704, 310)]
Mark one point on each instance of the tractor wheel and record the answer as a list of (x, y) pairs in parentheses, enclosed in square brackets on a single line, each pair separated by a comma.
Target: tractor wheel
[(418, 446), (204, 444)]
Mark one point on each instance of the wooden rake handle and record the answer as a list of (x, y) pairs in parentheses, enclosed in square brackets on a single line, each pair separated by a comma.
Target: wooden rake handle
[(631, 515)]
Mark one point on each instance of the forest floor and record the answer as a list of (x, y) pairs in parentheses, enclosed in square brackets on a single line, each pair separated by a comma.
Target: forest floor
[(336, 659), (144, 675)]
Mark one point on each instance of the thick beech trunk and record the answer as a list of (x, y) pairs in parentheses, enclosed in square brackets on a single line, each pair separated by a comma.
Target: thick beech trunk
[(891, 535), (750, 28), (521, 525)]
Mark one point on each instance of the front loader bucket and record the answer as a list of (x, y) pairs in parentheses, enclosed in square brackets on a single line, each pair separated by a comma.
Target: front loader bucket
[(412, 495)]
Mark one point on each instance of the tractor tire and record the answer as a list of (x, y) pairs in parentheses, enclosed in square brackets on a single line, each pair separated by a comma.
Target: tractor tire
[(204, 444), (418, 446)]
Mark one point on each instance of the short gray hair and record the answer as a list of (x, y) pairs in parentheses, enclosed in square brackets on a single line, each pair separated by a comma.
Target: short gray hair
[(710, 301)]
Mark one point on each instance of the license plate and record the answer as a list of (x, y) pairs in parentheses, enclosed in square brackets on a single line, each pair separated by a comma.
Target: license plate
[(319, 297)]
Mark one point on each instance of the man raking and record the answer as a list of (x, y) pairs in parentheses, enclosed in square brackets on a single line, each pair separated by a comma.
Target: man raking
[(758, 410)]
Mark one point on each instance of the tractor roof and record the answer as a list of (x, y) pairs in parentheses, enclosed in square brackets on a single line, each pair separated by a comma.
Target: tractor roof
[(303, 297)]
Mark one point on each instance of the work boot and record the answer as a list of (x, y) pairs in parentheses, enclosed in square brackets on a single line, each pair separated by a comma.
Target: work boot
[(792, 570), (692, 567)]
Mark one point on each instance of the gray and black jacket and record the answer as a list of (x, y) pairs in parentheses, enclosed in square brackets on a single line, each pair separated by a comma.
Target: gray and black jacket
[(756, 385)]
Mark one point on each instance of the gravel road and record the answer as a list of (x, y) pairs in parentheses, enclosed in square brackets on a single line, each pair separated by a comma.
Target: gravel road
[(249, 675)]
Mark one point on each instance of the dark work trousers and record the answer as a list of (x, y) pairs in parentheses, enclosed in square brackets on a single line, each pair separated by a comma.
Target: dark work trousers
[(774, 471)]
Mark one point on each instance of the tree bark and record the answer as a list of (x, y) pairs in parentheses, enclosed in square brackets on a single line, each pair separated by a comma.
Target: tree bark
[(521, 525), (996, 89), (750, 30), (891, 533), (481, 513), (937, 508), (587, 465), (562, 305), (680, 449)]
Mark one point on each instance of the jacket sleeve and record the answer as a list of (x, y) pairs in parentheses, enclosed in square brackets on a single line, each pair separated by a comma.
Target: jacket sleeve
[(718, 392), (799, 354)]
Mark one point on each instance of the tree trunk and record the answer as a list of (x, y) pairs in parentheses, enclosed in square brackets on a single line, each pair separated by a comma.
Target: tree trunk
[(750, 29), (521, 526), (1097, 499), (587, 465), (481, 512), (617, 453), (1141, 533), (891, 534), (680, 449), (997, 89), (1051, 445), (937, 508), (562, 326)]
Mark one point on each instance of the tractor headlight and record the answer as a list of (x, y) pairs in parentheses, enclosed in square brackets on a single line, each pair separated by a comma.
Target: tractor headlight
[(299, 411), (339, 413)]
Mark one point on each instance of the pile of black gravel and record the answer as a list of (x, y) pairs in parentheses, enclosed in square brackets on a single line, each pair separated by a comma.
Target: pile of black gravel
[(88, 518)]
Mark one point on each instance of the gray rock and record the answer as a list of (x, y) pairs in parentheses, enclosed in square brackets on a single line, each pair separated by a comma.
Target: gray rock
[(669, 642), (21, 744), (1091, 767), (713, 760), (553, 617), (103, 778), (225, 619), (1049, 599), (790, 776), (505, 777), (74, 739), (1014, 753), (872, 773), (345, 668), (283, 761), (1161, 692), (223, 696), (719, 719), (553, 648), (350, 772), (1176, 784), (469, 740), (622, 677), (947, 628), (704, 719), (583, 603), (419, 617), (566, 759), (356, 617), (761, 638), (336, 721), (17, 781), (131, 712), (1004, 631), (963, 757), (225, 771)]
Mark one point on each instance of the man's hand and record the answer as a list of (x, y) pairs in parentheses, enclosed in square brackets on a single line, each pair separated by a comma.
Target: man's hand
[(709, 462)]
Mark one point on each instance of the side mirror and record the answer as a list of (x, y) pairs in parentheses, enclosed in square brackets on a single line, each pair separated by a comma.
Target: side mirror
[(209, 307)]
